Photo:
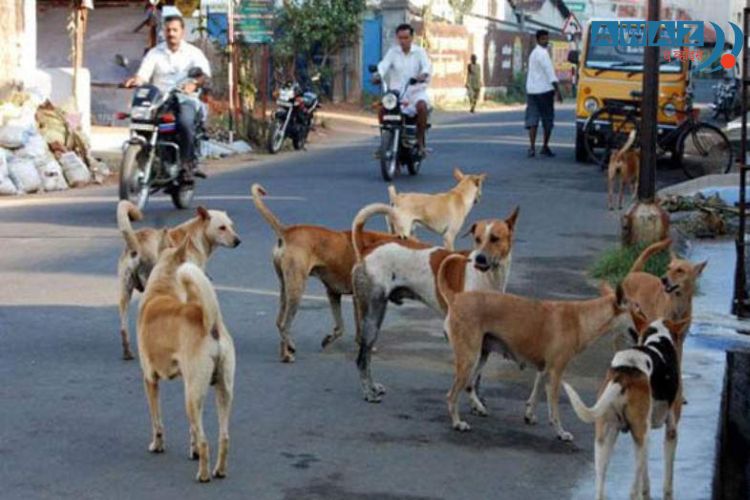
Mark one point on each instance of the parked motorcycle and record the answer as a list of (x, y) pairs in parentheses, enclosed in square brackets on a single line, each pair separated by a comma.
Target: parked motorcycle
[(151, 160), (727, 101), (294, 116), (398, 133)]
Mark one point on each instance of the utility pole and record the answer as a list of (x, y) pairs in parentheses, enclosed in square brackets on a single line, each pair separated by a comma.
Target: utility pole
[(646, 222)]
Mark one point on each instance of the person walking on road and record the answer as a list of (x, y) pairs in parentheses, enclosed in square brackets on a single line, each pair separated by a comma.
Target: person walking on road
[(473, 82), (541, 88)]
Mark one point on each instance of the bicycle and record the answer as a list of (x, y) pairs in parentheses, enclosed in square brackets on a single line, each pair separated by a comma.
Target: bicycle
[(699, 148)]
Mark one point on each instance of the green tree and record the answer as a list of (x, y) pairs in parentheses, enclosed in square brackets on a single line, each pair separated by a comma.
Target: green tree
[(305, 27)]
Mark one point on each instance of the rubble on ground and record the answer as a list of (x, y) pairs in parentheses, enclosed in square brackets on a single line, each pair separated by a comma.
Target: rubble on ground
[(701, 216), (41, 148)]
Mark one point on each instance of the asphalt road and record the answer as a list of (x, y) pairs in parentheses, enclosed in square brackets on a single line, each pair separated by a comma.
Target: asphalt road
[(73, 416)]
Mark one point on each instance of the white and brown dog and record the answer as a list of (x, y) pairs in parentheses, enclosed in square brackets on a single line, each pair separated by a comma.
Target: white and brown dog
[(209, 229), (302, 251), (443, 213), (545, 334), (624, 163), (397, 269), (642, 391), (181, 333)]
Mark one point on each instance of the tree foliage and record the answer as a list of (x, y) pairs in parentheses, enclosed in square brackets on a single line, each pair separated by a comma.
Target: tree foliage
[(316, 27), (461, 8)]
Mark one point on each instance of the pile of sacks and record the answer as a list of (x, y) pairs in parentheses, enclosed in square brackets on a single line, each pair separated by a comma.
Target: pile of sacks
[(40, 150)]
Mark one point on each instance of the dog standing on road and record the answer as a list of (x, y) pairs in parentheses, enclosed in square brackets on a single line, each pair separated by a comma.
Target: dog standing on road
[(209, 229), (642, 391), (443, 213), (397, 269), (305, 250), (546, 334), (181, 333), (625, 163)]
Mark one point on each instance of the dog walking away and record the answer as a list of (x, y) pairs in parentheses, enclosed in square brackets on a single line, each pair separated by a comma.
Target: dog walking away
[(442, 213), (625, 163), (181, 333), (209, 229), (642, 391), (544, 334), (397, 269), (302, 251)]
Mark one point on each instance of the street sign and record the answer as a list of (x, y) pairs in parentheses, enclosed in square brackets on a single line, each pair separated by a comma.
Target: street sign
[(576, 6), (254, 21)]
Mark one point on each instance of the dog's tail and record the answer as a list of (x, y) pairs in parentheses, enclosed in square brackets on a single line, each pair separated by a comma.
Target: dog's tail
[(657, 247), (361, 219), (443, 286), (127, 212), (588, 415), (629, 143), (200, 291), (392, 194), (258, 192)]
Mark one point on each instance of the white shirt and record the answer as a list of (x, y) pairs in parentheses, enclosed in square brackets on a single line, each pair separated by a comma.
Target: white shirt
[(541, 72), (164, 68), (399, 67)]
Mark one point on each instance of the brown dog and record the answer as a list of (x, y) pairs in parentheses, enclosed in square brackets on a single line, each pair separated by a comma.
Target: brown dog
[(181, 333), (625, 163), (443, 213), (305, 250), (209, 229), (642, 391), (546, 334)]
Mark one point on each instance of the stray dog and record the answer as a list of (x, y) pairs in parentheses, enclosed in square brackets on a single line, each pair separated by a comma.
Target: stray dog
[(302, 251), (626, 163), (394, 270), (642, 390), (443, 213), (181, 333), (546, 334), (669, 297), (209, 229)]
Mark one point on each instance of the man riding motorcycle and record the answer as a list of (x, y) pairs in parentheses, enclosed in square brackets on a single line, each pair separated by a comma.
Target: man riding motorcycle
[(401, 63), (165, 66)]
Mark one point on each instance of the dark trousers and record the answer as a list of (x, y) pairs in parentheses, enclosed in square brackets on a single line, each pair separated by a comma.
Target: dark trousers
[(186, 116)]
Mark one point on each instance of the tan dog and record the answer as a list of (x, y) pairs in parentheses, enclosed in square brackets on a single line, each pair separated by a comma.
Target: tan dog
[(642, 391), (397, 269), (303, 251), (209, 229), (625, 163), (181, 333), (669, 297), (443, 213), (546, 334)]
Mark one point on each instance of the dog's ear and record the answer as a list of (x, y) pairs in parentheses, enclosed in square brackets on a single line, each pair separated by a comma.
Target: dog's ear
[(698, 268), (203, 213), (479, 179), (470, 231), (678, 328), (511, 220), (605, 289), (457, 174), (639, 318)]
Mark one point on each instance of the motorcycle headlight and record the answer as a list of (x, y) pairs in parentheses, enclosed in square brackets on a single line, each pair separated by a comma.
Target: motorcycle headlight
[(670, 110), (286, 94), (389, 101), (590, 104), (140, 113)]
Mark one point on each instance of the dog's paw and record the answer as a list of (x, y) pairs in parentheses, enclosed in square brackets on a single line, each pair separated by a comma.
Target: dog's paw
[(379, 389), (565, 436), (371, 397), (461, 426), (530, 419), (193, 454), (219, 474), (203, 478), (287, 358), (156, 447), (479, 411)]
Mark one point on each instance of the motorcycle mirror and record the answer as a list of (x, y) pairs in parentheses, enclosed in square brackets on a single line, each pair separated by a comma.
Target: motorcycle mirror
[(121, 60), (372, 68)]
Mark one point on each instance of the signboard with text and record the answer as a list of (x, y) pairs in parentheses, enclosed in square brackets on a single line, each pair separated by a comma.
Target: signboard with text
[(254, 21)]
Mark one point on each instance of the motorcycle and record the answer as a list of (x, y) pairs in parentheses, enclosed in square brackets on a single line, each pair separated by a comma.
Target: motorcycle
[(726, 99), (294, 116), (398, 133), (151, 160)]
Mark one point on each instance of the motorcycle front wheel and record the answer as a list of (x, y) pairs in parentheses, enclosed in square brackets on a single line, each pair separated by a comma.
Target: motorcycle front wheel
[(182, 195), (133, 187), (387, 158), (275, 137)]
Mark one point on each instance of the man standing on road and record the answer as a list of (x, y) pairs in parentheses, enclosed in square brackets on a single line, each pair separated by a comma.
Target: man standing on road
[(473, 82), (541, 88), (403, 62)]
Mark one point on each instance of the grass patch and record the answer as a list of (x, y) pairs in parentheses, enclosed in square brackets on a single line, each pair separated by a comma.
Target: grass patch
[(614, 264)]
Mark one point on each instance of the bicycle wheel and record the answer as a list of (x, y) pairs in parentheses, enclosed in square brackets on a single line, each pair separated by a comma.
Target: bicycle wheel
[(704, 149), (606, 131)]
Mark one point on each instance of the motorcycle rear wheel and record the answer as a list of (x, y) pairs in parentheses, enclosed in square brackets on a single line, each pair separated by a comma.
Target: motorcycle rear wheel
[(388, 160), (182, 195), (413, 165), (132, 187)]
